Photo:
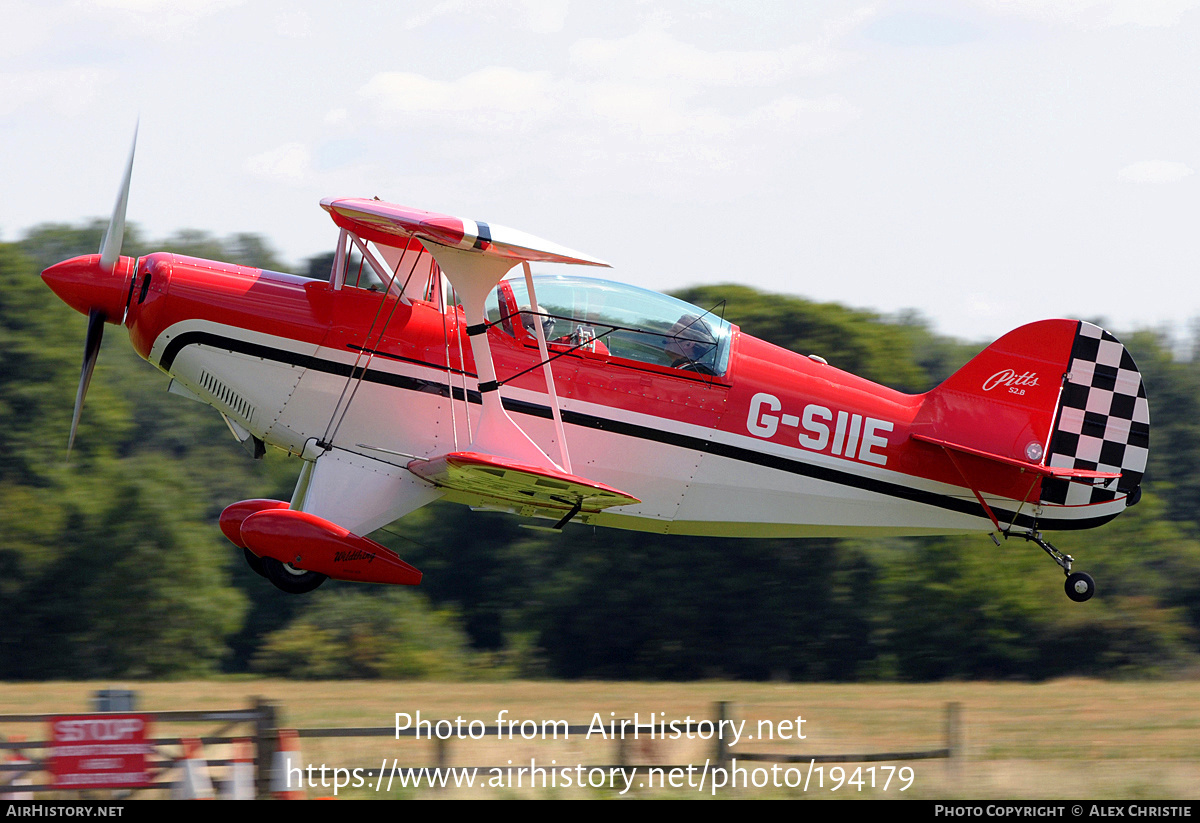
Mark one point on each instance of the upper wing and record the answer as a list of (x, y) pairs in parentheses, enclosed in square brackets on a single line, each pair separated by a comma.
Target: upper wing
[(385, 222)]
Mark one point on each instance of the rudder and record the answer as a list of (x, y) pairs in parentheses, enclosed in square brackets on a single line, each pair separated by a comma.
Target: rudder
[(1103, 421)]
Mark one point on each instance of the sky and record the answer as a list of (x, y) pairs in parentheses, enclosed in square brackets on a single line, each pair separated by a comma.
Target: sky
[(986, 163)]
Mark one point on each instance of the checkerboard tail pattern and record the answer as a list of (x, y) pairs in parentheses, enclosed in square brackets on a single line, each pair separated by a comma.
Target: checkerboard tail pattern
[(1103, 421)]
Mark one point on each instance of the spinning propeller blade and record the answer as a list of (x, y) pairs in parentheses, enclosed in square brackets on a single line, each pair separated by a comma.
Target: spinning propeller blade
[(91, 351), (110, 248), (96, 286)]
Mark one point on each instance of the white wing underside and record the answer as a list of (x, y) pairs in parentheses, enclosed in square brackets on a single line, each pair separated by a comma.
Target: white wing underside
[(359, 493)]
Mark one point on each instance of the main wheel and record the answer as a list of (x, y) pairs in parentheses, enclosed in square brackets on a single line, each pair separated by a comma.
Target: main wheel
[(288, 578), (1080, 586), (254, 562)]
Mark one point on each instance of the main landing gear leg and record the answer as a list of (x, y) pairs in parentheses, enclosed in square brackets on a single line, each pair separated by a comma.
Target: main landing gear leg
[(1079, 585)]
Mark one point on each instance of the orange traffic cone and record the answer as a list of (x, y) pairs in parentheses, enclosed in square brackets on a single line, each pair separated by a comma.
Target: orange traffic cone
[(195, 783), (17, 758), (240, 785), (287, 776)]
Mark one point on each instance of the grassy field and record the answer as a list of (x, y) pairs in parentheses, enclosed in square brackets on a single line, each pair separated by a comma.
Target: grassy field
[(1062, 739)]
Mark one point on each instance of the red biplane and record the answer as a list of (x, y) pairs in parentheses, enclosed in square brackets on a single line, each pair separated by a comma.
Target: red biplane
[(420, 370)]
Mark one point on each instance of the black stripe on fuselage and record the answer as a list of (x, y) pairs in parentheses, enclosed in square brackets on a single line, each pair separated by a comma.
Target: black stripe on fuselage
[(771, 461), (485, 236), (305, 361)]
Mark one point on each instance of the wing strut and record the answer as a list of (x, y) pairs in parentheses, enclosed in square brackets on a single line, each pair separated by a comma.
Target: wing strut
[(949, 451), (541, 339), (474, 276), (356, 376)]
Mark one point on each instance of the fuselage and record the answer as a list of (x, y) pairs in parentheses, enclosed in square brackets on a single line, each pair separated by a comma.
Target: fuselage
[(779, 444)]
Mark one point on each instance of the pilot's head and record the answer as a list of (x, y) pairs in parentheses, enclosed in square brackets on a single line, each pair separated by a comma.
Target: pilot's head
[(690, 339), (529, 321)]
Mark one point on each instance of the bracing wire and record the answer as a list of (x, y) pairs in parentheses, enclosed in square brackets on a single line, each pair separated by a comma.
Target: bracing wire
[(356, 376)]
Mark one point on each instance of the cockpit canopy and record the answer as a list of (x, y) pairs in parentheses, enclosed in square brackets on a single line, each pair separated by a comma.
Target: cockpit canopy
[(617, 319), (588, 315)]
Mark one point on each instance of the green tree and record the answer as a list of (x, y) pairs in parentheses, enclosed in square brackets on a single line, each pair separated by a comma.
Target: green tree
[(625, 604), (41, 351), (855, 341), (243, 249), (360, 634), (1173, 389), (138, 588), (51, 243)]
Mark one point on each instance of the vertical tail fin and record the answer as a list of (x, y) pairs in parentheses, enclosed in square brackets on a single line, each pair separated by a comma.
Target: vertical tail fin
[(1063, 394)]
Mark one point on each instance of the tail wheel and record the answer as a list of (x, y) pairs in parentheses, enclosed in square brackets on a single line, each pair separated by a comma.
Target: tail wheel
[(1080, 586), (288, 578)]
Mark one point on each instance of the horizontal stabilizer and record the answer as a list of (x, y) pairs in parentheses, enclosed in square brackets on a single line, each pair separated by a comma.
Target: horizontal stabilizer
[(1045, 471), (507, 481), (385, 222)]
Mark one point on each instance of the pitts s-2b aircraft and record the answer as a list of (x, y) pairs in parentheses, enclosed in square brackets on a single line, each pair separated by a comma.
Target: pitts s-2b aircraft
[(574, 399)]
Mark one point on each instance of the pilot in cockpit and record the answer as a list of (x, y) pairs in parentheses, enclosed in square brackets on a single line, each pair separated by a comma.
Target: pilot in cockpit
[(691, 342), (529, 321)]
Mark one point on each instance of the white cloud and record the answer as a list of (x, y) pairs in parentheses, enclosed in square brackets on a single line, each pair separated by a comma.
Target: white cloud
[(1155, 171), (295, 24), (654, 106), (1097, 14), (491, 98), (64, 91), (540, 16), (797, 115), (544, 16), (652, 54), (171, 8), (290, 163), (656, 113), (649, 111), (142, 18), (27, 28)]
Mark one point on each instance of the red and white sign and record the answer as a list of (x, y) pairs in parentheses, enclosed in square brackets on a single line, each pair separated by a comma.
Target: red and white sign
[(100, 751)]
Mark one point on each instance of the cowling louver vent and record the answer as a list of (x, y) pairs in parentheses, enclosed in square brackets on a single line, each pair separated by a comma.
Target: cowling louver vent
[(227, 397)]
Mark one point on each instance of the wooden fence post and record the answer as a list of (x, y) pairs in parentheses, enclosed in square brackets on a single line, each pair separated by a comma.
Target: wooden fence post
[(442, 755), (721, 748), (954, 741), (266, 734)]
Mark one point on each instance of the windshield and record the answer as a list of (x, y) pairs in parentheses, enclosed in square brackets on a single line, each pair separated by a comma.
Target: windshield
[(630, 322)]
